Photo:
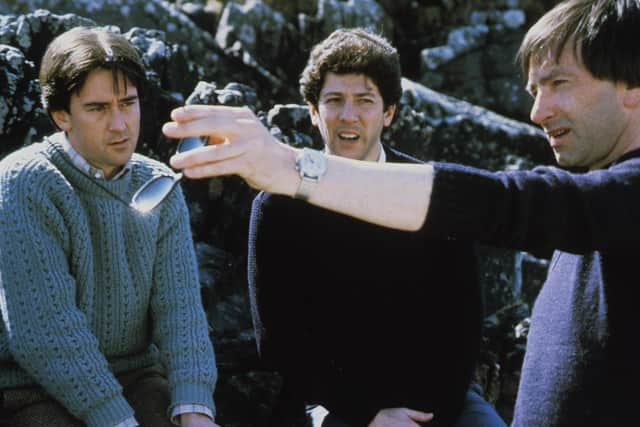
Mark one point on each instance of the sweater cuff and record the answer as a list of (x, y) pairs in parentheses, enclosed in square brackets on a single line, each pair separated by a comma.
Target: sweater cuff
[(192, 394), (462, 201), (110, 413)]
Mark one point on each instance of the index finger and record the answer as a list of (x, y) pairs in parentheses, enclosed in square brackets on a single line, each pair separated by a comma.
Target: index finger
[(220, 122), (198, 111)]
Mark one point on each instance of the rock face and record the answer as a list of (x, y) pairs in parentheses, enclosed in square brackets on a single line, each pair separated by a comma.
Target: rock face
[(462, 101)]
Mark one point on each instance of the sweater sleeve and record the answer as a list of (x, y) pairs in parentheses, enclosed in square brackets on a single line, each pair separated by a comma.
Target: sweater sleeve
[(48, 336), (180, 327), (539, 210)]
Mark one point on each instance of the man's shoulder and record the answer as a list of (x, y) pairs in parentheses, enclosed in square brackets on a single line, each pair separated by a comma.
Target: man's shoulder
[(149, 166), (20, 164)]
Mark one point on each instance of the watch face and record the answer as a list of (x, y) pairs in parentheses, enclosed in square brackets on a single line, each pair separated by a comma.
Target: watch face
[(312, 164)]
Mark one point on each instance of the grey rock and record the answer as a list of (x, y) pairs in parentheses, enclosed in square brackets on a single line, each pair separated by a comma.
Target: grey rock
[(468, 133), (477, 62), (292, 125), (334, 14), (19, 98), (514, 18), (205, 57), (32, 32), (459, 41), (259, 36), (233, 94)]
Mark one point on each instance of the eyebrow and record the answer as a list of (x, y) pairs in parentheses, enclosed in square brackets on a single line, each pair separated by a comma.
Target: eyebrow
[(359, 94), (550, 75), (100, 104)]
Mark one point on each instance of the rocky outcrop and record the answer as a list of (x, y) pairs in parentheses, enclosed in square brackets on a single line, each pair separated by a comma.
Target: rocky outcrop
[(251, 53)]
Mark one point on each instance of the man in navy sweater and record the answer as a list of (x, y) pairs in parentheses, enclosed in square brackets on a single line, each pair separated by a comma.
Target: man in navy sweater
[(582, 62), (339, 304)]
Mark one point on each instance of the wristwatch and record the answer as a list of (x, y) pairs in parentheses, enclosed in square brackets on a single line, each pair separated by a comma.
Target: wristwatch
[(311, 164)]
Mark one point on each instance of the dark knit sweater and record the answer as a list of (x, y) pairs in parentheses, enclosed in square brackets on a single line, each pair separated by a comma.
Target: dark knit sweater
[(360, 317), (90, 288), (581, 366)]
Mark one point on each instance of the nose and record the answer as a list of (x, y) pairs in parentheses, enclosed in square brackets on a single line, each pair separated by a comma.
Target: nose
[(348, 112), (117, 121), (542, 108)]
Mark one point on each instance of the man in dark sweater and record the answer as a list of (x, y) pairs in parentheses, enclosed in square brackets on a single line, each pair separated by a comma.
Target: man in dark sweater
[(583, 68), (340, 305)]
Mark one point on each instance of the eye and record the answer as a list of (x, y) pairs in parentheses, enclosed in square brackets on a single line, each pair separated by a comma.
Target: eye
[(96, 108), (129, 103), (558, 82)]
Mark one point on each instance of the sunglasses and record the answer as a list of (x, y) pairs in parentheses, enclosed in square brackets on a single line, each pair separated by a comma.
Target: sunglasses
[(154, 191)]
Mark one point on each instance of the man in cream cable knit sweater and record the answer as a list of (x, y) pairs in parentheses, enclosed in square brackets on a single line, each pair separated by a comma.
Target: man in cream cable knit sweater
[(102, 323)]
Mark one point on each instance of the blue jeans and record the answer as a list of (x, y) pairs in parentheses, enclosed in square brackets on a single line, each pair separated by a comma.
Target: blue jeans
[(477, 412)]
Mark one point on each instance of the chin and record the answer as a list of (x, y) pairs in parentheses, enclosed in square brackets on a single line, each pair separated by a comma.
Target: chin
[(349, 154)]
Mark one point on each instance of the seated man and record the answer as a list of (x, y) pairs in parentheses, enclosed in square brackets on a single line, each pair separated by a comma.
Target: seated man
[(102, 320), (348, 312)]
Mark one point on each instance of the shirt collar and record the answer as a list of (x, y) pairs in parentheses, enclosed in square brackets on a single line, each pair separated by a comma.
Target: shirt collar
[(82, 163), (382, 157)]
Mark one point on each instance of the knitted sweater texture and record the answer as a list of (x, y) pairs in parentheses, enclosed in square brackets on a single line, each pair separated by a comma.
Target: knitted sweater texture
[(359, 317), (581, 364), (90, 288)]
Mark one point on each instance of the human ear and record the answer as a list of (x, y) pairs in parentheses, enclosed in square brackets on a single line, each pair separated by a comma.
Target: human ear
[(388, 115), (632, 97), (313, 112), (62, 119)]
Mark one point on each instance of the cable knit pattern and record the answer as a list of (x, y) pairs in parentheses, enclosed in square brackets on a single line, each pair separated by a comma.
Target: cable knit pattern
[(90, 288)]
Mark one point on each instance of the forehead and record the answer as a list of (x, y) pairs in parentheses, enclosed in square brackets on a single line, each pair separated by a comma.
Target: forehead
[(546, 65), (348, 83), (102, 82)]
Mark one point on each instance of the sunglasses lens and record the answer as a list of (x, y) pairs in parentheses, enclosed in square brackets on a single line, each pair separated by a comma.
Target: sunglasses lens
[(152, 193), (191, 143)]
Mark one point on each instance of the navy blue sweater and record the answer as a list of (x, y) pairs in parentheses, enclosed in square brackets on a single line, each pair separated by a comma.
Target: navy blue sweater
[(581, 366), (358, 317)]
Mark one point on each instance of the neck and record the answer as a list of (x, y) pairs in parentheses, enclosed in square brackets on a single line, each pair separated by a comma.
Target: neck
[(628, 141)]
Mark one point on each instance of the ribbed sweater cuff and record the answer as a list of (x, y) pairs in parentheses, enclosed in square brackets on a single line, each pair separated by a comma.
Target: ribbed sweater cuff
[(192, 394), (110, 413)]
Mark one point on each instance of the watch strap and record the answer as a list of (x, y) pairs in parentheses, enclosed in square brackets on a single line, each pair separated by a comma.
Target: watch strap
[(305, 187), (311, 165)]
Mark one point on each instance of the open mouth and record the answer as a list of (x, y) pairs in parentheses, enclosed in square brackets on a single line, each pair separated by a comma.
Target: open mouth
[(348, 136), (557, 133)]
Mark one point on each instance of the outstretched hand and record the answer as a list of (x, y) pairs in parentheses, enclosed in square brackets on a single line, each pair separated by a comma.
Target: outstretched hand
[(400, 417), (239, 145), (392, 195)]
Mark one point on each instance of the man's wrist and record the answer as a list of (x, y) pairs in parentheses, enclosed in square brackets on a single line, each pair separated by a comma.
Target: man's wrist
[(311, 166), (129, 422), (180, 410)]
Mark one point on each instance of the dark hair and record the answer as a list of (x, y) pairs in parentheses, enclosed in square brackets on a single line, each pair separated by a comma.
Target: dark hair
[(71, 56), (356, 51), (604, 35)]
